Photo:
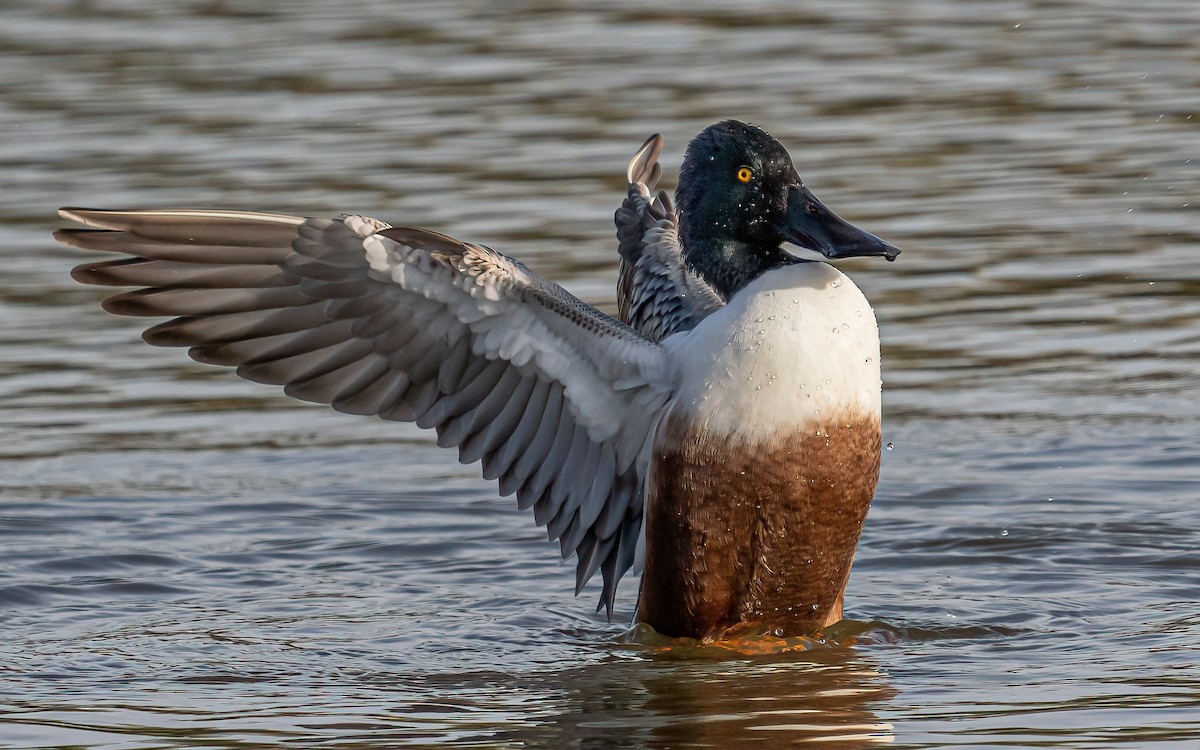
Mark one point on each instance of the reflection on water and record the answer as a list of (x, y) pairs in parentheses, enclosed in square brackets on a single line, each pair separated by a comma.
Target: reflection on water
[(187, 559), (824, 694)]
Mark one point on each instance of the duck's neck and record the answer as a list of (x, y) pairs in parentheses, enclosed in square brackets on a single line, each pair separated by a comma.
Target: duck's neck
[(729, 265)]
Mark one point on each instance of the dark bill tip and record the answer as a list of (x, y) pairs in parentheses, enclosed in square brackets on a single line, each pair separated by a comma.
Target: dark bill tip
[(811, 225)]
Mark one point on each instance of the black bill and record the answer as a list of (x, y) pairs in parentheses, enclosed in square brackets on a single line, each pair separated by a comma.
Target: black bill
[(809, 224)]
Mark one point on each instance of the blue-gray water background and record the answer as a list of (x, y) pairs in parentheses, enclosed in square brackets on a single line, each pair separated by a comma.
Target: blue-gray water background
[(187, 560)]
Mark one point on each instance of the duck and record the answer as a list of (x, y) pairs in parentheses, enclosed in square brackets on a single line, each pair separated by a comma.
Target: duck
[(722, 433)]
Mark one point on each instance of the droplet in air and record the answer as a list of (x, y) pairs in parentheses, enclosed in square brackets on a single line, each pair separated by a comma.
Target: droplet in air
[(889, 446)]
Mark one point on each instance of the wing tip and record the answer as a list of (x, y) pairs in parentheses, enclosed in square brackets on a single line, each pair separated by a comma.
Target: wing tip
[(94, 274), (135, 304), (643, 167), (77, 214), (76, 237)]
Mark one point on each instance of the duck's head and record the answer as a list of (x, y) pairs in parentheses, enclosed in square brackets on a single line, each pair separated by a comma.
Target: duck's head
[(740, 199)]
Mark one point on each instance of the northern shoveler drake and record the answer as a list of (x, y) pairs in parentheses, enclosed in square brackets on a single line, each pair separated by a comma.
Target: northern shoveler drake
[(725, 431)]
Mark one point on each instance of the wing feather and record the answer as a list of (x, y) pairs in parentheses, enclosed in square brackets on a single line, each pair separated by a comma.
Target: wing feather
[(485, 440), (554, 398), (657, 293), (539, 486), (519, 441), (153, 273), (375, 398), (338, 384), (234, 326)]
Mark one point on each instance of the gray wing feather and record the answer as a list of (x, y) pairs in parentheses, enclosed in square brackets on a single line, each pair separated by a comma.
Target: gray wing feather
[(554, 398), (656, 292)]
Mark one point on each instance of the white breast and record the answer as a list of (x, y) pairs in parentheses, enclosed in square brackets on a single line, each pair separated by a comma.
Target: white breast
[(795, 349)]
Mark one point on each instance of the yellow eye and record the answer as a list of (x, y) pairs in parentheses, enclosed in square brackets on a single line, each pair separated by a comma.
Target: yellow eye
[(744, 174)]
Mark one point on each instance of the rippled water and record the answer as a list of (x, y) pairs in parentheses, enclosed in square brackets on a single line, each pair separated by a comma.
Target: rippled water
[(189, 560)]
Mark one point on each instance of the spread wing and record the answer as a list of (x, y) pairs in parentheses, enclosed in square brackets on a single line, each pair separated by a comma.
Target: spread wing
[(554, 398), (656, 292)]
